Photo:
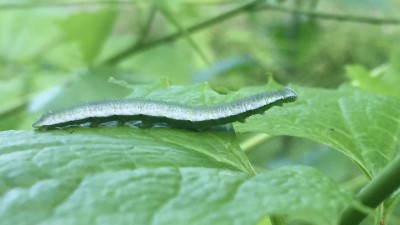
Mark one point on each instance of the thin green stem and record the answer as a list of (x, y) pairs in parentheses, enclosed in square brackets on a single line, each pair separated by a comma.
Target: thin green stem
[(146, 27), (330, 16), (167, 14), (253, 141), (374, 193), (169, 38)]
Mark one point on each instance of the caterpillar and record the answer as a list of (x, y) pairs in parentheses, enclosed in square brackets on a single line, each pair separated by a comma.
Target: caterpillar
[(151, 112)]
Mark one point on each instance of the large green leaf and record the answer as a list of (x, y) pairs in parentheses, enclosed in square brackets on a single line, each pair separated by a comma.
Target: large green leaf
[(362, 125), (367, 132), (150, 176)]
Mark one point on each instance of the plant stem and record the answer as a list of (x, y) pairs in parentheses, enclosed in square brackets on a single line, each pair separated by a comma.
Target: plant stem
[(330, 16), (374, 193), (145, 30), (169, 38), (253, 141), (167, 14)]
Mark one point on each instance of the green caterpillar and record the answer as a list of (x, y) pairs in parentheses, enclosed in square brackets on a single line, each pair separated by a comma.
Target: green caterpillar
[(150, 112)]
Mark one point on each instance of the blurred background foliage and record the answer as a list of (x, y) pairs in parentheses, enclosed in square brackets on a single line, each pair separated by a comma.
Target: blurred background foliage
[(55, 53)]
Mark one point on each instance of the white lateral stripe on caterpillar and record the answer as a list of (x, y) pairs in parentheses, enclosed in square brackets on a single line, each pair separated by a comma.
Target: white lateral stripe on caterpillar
[(170, 111)]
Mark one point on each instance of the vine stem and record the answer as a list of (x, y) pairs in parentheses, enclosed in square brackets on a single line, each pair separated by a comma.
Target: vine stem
[(330, 16), (374, 193)]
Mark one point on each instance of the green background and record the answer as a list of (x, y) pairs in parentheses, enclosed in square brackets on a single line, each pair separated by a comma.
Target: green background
[(303, 162)]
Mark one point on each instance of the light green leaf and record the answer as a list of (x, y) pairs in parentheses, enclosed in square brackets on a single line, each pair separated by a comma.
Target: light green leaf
[(362, 125), (89, 30), (367, 80), (85, 149), (20, 40), (150, 176), (384, 79)]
